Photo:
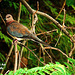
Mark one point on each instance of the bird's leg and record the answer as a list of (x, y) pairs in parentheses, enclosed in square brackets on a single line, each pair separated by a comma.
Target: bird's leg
[(15, 41)]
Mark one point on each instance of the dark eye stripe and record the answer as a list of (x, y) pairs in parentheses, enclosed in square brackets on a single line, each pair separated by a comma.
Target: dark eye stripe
[(8, 16)]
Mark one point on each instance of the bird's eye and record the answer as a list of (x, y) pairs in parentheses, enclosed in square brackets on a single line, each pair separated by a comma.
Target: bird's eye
[(8, 16)]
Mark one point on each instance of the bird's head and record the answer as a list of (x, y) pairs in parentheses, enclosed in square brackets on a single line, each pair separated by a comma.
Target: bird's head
[(9, 18)]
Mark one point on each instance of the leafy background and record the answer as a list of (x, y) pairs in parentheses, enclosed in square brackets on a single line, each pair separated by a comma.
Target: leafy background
[(52, 8)]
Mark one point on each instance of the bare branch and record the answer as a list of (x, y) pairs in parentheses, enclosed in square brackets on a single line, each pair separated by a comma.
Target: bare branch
[(16, 57), (70, 27), (10, 51), (2, 19), (32, 53), (19, 11), (49, 17), (56, 50), (64, 18), (71, 52), (47, 32), (61, 9), (62, 25), (7, 72)]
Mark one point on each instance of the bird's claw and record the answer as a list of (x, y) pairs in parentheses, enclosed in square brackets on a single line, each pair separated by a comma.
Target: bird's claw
[(14, 41)]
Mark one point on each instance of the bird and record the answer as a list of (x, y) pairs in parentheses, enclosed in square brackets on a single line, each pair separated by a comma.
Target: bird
[(20, 32)]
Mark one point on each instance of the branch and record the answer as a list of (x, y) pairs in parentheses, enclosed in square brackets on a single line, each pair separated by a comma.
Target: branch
[(32, 52), (62, 25), (49, 17), (70, 27), (16, 57), (2, 19), (8, 57), (47, 32), (56, 50), (19, 11), (43, 49), (71, 52), (20, 54), (61, 9)]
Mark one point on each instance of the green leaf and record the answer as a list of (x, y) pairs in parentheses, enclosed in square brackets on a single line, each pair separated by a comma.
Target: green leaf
[(41, 73)]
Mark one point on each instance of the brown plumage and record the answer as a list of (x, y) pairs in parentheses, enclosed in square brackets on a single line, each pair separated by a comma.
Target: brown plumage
[(19, 31)]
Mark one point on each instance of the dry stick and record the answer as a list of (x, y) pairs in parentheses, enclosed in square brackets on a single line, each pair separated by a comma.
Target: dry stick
[(16, 56), (2, 19), (9, 51), (7, 57), (40, 43), (56, 50), (39, 54), (33, 26), (22, 48), (45, 48), (64, 17), (19, 11), (32, 52), (20, 55), (43, 51), (49, 56), (7, 72), (61, 9), (62, 25), (23, 64), (70, 27), (47, 32), (49, 17), (70, 54)]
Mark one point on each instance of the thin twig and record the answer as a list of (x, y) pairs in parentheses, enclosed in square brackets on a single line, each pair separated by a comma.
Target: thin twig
[(2, 19), (63, 27), (10, 51), (19, 14), (31, 52), (64, 17), (23, 64), (7, 72), (20, 54), (19, 11), (43, 51), (69, 27), (71, 52), (49, 17), (56, 50), (58, 39), (47, 32), (61, 9)]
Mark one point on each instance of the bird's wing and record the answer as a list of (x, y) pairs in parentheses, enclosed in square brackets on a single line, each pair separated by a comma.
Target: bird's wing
[(16, 29)]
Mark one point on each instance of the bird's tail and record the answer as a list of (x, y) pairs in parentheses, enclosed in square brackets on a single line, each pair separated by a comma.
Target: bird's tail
[(36, 39)]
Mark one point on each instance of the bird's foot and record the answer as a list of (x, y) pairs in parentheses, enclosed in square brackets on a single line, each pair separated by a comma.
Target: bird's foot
[(14, 41)]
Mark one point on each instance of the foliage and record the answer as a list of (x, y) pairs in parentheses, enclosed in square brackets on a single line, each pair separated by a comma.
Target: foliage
[(70, 2), (43, 25), (49, 69), (71, 66), (2, 57)]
